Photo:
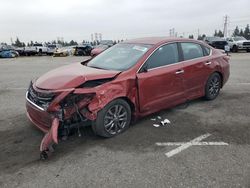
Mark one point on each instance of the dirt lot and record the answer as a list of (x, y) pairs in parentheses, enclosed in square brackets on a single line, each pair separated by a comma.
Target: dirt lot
[(132, 159)]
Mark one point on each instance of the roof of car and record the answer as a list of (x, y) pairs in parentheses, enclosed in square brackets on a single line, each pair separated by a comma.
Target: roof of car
[(155, 40)]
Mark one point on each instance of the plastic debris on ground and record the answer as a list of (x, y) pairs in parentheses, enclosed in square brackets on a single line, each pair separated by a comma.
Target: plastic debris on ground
[(161, 123)]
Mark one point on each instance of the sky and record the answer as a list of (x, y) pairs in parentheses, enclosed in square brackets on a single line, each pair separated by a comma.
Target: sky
[(46, 20)]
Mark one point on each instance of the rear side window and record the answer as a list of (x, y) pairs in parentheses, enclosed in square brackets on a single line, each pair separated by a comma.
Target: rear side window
[(191, 50), (165, 55)]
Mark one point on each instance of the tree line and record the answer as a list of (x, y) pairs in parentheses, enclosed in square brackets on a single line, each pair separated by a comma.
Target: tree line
[(237, 32), (18, 43), (244, 32)]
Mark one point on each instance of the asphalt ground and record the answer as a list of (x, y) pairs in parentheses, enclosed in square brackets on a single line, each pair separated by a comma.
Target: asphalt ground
[(131, 159)]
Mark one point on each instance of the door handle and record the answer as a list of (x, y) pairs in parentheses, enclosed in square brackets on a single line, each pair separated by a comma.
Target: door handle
[(179, 72), (208, 63)]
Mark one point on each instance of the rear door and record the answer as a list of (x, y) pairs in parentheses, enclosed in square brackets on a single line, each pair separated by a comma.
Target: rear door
[(197, 65), (162, 84)]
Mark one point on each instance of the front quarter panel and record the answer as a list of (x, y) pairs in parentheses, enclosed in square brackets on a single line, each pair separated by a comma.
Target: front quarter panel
[(104, 94)]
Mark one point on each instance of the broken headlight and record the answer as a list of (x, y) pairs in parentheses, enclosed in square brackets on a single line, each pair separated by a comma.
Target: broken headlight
[(73, 99)]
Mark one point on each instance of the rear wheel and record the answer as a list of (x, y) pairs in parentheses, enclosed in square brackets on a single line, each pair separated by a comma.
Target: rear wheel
[(113, 119), (213, 85), (40, 52), (248, 50)]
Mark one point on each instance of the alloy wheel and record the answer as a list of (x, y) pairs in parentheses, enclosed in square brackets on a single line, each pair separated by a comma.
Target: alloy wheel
[(115, 119), (214, 86)]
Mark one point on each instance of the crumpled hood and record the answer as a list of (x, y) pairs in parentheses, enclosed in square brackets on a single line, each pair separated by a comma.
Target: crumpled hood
[(71, 76)]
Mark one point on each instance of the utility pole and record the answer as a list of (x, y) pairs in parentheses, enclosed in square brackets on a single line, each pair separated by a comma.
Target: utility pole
[(172, 32), (225, 31)]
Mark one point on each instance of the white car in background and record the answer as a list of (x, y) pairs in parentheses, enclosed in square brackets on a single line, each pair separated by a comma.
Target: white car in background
[(36, 48), (238, 43), (52, 48)]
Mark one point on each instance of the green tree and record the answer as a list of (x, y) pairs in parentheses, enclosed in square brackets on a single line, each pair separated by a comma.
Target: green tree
[(72, 43), (220, 34), (247, 32), (18, 43), (236, 31), (241, 32), (215, 33), (191, 36)]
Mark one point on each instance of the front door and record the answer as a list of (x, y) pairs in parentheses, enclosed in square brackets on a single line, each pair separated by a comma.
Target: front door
[(161, 85)]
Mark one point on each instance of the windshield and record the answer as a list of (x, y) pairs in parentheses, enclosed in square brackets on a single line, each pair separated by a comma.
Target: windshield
[(52, 46), (37, 44), (239, 38), (119, 57)]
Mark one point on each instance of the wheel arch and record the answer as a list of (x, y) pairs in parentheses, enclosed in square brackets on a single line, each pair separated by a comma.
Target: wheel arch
[(131, 104)]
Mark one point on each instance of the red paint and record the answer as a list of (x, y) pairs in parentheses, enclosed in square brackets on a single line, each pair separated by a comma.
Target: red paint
[(98, 50), (148, 92), (51, 136)]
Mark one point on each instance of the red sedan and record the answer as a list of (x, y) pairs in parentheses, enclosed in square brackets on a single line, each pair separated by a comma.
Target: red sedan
[(127, 81)]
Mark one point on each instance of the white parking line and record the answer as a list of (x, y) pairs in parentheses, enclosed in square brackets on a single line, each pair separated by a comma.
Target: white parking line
[(194, 144), (185, 145)]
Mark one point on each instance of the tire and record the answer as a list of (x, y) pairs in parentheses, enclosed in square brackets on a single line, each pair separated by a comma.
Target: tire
[(235, 48), (108, 124), (213, 85), (248, 50), (40, 52)]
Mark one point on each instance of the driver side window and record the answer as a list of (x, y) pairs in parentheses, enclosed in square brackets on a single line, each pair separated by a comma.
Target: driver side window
[(165, 55)]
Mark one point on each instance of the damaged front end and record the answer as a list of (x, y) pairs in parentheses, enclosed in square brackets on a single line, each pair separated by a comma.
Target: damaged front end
[(56, 113)]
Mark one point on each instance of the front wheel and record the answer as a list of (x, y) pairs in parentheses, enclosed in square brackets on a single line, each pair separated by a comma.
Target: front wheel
[(235, 49), (113, 119), (213, 85)]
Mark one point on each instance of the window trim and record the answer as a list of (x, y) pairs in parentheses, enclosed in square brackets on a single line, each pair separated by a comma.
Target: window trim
[(201, 46), (180, 54), (144, 63)]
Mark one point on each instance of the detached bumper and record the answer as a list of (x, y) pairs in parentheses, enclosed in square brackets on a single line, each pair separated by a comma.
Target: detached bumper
[(43, 121)]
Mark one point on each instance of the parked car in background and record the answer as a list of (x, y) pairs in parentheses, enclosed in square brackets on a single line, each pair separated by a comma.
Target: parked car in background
[(109, 43), (64, 51), (8, 51), (127, 81), (8, 54), (98, 49), (82, 50), (20, 51), (37, 48), (239, 43), (216, 42), (51, 48)]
